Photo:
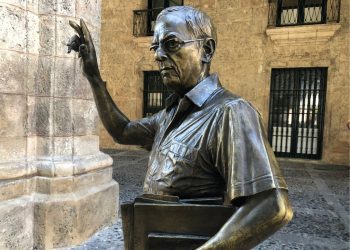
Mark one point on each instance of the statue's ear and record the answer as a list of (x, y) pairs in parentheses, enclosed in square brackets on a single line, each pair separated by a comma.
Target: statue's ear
[(208, 50)]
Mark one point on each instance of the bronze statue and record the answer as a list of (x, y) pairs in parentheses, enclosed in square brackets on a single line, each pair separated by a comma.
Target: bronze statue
[(206, 143)]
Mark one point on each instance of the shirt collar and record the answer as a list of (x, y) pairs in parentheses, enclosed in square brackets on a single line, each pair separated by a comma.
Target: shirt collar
[(200, 93)]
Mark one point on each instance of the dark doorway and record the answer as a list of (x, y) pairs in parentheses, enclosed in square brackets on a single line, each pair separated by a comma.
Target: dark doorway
[(297, 103), (154, 93)]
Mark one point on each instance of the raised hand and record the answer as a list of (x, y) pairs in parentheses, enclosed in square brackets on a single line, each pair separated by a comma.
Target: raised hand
[(83, 44)]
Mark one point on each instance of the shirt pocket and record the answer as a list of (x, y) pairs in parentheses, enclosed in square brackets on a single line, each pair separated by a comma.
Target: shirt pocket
[(180, 153)]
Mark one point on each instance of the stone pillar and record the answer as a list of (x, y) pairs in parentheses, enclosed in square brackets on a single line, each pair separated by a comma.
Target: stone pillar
[(56, 187)]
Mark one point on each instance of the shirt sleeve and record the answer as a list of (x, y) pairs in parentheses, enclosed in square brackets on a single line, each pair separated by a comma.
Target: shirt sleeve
[(242, 153), (142, 132)]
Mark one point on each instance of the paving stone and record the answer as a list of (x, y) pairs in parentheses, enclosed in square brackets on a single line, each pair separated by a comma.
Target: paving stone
[(325, 226)]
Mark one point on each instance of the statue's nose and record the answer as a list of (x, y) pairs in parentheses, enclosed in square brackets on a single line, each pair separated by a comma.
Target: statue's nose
[(160, 55)]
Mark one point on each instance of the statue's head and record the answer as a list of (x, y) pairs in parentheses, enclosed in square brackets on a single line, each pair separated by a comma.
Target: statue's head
[(184, 43)]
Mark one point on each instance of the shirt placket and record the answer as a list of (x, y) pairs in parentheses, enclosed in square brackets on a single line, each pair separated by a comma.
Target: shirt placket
[(183, 109)]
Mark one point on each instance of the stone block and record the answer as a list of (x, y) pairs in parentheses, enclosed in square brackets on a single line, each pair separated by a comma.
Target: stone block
[(33, 33), (13, 189), (72, 218), (32, 5), (66, 7), (39, 116), (13, 28), (64, 76), (10, 168), (47, 36), (13, 115), (47, 7), (90, 11), (85, 117), (12, 149), (18, 3), (97, 209), (63, 147), (40, 77), (43, 148), (81, 86), (12, 72), (62, 118), (85, 145), (16, 224), (63, 33)]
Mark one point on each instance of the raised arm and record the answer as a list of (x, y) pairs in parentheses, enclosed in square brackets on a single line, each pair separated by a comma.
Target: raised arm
[(116, 123)]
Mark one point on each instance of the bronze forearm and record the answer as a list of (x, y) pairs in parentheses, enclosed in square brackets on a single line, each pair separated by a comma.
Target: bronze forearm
[(112, 118), (261, 216)]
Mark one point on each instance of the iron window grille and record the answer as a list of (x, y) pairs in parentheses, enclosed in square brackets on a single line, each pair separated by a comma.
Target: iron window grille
[(154, 93), (144, 20), (297, 108), (303, 12)]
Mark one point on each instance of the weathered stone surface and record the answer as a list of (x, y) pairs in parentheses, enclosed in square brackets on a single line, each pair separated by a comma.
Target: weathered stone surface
[(64, 76), (12, 72), (47, 6), (85, 117), (85, 145), (32, 33), (66, 7), (62, 117), (52, 184), (47, 36), (16, 223), (89, 11), (63, 146), (39, 116), (13, 115), (13, 20), (66, 220), (41, 74)]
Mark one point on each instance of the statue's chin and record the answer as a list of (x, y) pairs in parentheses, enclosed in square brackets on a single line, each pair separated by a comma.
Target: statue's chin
[(172, 82)]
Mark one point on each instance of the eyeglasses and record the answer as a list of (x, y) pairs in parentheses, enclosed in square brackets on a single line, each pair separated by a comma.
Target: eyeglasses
[(172, 44)]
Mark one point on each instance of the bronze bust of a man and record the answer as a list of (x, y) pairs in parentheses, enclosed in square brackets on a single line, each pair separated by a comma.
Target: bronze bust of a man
[(207, 142)]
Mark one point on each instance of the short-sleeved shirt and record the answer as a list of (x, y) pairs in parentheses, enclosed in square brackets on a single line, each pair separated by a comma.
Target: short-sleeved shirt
[(208, 143)]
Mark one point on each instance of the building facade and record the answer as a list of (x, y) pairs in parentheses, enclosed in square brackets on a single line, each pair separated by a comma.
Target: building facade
[(289, 58)]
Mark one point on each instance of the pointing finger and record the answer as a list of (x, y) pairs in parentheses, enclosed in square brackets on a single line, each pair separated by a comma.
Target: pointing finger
[(78, 29), (86, 34)]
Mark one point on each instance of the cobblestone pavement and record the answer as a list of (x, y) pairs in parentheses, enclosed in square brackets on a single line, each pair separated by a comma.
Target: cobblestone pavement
[(320, 198)]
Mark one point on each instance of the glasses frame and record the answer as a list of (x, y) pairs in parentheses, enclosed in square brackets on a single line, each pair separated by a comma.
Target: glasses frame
[(181, 42)]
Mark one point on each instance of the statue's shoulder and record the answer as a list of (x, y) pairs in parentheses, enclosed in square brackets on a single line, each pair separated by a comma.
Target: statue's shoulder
[(226, 99)]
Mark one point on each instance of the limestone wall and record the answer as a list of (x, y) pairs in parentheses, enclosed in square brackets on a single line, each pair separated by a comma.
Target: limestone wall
[(50, 163), (244, 58)]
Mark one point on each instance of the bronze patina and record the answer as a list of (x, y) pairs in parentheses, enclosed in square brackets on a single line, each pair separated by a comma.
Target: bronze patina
[(209, 159)]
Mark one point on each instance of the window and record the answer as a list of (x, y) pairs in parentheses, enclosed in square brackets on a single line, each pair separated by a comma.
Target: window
[(297, 102), (154, 93), (155, 7), (144, 20), (300, 12)]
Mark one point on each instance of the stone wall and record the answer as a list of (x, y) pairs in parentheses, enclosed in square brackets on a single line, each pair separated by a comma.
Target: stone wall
[(56, 187), (244, 58)]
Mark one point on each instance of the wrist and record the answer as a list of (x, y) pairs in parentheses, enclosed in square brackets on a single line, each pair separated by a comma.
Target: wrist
[(96, 81)]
